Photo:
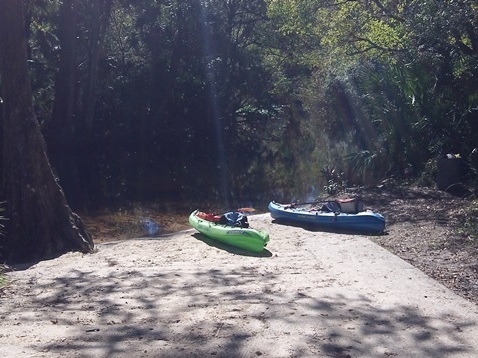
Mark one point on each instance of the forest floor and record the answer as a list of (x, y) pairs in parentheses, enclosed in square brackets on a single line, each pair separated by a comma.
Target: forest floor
[(422, 227)]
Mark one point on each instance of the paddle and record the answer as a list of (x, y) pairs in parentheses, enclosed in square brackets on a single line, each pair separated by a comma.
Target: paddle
[(305, 203), (246, 210)]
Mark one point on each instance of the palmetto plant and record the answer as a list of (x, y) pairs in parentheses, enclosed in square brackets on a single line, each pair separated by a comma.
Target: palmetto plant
[(400, 101), (365, 167)]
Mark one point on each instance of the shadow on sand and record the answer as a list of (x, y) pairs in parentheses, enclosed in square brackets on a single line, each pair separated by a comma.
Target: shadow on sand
[(231, 249), (319, 228)]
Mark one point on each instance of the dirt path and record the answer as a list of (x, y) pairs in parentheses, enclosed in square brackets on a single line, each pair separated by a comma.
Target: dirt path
[(311, 294)]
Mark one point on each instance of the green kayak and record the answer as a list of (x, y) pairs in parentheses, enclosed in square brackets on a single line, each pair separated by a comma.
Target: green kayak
[(244, 238)]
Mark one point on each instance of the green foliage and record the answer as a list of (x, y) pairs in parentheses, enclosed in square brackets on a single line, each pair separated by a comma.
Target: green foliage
[(365, 167), (389, 75), (397, 102), (428, 176), (336, 182), (265, 94), (353, 31), (399, 116)]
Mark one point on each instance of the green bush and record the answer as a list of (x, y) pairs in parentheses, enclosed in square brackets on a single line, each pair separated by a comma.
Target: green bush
[(428, 176), (335, 180)]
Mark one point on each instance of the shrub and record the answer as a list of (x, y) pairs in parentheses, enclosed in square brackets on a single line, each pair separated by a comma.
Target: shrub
[(335, 180)]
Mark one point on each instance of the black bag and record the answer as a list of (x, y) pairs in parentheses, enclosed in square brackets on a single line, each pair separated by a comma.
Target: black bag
[(234, 219), (331, 206)]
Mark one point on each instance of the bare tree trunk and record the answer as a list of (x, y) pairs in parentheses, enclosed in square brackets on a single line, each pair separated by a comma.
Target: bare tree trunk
[(100, 14), (41, 224), (60, 132), (63, 107)]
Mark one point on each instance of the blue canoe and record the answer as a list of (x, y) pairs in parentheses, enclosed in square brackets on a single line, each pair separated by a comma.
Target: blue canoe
[(364, 221)]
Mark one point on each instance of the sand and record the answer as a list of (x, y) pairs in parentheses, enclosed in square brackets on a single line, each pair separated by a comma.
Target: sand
[(309, 294)]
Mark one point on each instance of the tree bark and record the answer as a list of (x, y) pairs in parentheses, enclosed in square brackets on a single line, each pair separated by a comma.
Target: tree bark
[(41, 224), (64, 106), (60, 131), (100, 14)]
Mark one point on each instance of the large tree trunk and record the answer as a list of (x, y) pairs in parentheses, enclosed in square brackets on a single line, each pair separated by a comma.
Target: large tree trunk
[(60, 132), (64, 105), (99, 18), (87, 156), (41, 224)]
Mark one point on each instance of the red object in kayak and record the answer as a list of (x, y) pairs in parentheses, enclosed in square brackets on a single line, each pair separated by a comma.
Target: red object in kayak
[(208, 217)]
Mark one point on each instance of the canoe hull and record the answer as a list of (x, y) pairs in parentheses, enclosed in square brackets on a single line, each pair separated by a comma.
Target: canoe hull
[(243, 238), (366, 221)]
